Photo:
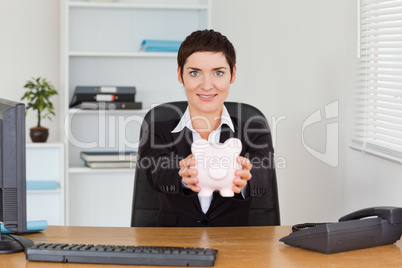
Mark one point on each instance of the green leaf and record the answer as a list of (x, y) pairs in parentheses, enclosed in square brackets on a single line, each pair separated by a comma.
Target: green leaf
[(38, 94)]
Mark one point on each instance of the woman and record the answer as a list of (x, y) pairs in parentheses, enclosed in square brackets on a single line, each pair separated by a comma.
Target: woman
[(206, 68)]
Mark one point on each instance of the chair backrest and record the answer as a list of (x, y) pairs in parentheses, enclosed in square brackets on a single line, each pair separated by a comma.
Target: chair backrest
[(264, 210)]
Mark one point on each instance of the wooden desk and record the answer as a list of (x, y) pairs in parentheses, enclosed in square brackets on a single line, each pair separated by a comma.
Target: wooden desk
[(238, 247)]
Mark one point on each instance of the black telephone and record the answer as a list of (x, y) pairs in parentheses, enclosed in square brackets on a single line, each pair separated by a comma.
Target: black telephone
[(353, 231)]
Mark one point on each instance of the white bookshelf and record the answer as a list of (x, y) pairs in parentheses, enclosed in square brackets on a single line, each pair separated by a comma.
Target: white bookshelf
[(45, 162), (101, 46)]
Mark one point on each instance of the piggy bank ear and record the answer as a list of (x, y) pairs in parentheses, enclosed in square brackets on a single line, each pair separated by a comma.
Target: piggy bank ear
[(234, 144), (199, 146)]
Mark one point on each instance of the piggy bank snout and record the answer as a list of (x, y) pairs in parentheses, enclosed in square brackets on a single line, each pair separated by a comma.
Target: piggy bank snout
[(218, 167), (217, 174)]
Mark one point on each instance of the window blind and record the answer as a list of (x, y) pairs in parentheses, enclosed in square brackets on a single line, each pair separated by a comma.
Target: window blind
[(378, 122)]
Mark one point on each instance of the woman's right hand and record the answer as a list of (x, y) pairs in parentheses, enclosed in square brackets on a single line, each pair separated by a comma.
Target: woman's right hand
[(188, 174)]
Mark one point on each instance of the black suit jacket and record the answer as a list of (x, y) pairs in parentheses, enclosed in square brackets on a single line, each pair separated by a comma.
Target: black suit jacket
[(160, 152)]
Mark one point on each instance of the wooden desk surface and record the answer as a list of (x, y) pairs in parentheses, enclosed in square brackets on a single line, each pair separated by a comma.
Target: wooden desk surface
[(238, 246)]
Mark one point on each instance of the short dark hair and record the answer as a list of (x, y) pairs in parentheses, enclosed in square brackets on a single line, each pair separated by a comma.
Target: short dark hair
[(206, 40)]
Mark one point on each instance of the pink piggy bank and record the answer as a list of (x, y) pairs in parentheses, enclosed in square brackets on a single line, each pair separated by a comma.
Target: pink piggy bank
[(216, 165)]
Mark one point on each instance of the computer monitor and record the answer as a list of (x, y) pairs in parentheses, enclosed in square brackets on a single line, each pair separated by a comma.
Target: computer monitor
[(12, 176)]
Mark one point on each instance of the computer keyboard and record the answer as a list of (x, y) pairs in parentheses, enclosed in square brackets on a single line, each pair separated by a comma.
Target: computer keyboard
[(130, 255)]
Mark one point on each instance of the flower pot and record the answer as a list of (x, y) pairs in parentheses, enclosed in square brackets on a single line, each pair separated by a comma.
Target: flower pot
[(39, 134)]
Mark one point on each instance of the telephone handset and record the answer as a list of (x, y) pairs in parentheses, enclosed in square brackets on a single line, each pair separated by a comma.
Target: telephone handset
[(353, 231), (391, 214)]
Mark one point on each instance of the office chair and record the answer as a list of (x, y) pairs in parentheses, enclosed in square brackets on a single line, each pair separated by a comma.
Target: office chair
[(264, 210)]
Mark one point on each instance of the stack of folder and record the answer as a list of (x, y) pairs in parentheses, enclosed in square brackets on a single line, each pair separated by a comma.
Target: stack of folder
[(101, 97), (112, 159), (160, 45)]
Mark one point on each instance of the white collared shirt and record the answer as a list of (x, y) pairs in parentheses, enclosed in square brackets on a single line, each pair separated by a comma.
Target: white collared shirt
[(214, 137)]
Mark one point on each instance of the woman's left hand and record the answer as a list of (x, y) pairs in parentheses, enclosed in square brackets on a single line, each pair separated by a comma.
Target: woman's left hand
[(243, 175)]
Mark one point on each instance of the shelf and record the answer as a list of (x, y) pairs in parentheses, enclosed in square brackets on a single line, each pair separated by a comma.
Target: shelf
[(75, 111), (122, 54), (87, 170), (44, 144), (137, 6), (57, 191)]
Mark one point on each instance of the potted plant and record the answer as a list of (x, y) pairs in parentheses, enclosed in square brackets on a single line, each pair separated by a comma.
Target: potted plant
[(38, 94)]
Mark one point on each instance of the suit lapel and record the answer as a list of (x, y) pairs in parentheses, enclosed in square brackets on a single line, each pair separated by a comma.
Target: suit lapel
[(183, 141), (184, 138), (226, 133)]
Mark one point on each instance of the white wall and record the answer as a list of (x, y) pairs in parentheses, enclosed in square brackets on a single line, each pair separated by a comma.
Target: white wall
[(371, 181), (294, 58), (29, 47)]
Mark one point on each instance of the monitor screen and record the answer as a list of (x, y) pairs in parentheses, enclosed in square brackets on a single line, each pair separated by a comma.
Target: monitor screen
[(12, 175)]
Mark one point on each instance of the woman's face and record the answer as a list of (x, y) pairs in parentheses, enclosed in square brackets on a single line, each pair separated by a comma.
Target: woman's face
[(206, 80)]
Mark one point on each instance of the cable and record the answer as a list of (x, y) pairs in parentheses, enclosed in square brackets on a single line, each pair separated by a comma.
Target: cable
[(301, 226)]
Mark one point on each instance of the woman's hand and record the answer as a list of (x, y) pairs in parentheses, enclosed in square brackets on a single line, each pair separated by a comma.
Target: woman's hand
[(243, 175), (188, 174)]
